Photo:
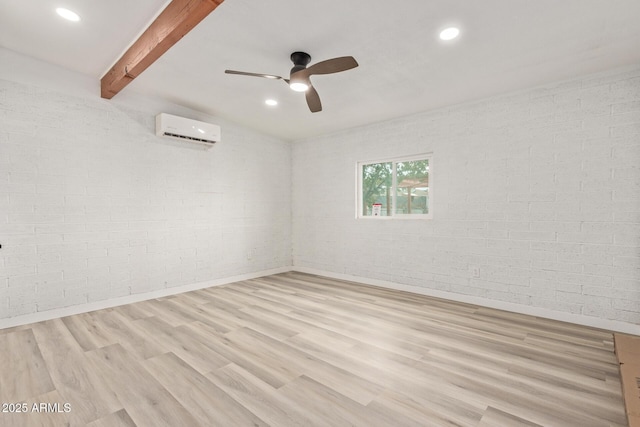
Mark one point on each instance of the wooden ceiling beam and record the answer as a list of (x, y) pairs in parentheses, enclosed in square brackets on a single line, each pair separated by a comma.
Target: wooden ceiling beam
[(175, 21)]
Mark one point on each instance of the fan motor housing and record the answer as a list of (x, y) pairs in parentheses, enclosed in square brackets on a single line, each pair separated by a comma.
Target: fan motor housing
[(300, 61)]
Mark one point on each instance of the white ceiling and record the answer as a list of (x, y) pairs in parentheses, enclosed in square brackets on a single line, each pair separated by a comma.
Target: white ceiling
[(404, 68)]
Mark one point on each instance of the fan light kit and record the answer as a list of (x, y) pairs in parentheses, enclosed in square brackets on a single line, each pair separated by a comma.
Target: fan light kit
[(299, 76), (449, 33), (68, 14), (298, 86)]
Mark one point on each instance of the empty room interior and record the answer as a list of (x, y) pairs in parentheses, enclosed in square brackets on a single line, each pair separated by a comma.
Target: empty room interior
[(336, 213)]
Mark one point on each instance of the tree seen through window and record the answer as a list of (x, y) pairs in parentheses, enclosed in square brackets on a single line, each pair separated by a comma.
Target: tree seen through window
[(400, 187)]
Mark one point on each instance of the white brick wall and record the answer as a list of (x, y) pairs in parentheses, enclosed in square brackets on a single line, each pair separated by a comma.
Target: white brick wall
[(539, 190), (93, 206)]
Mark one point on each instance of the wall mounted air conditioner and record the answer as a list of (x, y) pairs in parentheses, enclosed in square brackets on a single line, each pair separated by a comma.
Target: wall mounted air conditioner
[(187, 129)]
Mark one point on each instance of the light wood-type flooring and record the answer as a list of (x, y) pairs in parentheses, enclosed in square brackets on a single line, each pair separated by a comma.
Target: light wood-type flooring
[(301, 350)]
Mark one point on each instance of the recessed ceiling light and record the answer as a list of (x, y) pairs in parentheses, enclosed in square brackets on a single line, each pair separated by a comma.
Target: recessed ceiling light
[(67, 14), (271, 102), (449, 33)]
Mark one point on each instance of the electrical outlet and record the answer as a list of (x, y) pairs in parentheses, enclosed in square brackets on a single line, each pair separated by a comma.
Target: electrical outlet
[(250, 254), (475, 271)]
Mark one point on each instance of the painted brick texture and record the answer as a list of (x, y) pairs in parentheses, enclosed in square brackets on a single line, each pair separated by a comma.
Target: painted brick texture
[(94, 206), (536, 199)]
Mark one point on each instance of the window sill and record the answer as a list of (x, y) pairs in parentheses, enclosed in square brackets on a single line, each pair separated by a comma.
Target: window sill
[(387, 218)]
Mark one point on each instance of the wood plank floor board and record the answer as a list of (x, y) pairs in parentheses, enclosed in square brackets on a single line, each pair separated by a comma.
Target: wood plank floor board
[(295, 349), (370, 334), (166, 312), (521, 349), (133, 311), (595, 401), (380, 358), (430, 387), (221, 320), (223, 298), (198, 314), (523, 355), (409, 320), (326, 339), (354, 291), (23, 373), (144, 398), (419, 374), (210, 405), (196, 297), (202, 357), (572, 332), (282, 320), (496, 388), (73, 376), (125, 332), (560, 374), (383, 374), (260, 398), (268, 371), (87, 332), (341, 380), (268, 360), (180, 309), (276, 330), (117, 419), (495, 417), (256, 300), (399, 375), (328, 407), (582, 349), (613, 383), (14, 329), (433, 408), (273, 303)]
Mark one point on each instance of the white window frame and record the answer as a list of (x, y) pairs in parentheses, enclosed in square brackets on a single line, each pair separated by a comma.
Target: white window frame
[(393, 161)]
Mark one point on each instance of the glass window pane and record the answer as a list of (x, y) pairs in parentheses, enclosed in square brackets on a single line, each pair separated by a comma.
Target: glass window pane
[(412, 192), (376, 189)]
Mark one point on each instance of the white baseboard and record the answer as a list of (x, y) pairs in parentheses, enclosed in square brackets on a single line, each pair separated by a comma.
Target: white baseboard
[(610, 325), (595, 322), (129, 299)]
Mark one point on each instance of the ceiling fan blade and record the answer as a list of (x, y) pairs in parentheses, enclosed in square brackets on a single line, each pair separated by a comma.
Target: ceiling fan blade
[(313, 100), (330, 66), (266, 76)]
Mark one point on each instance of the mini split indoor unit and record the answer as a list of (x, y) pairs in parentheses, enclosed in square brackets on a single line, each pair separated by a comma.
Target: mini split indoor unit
[(187, 129)]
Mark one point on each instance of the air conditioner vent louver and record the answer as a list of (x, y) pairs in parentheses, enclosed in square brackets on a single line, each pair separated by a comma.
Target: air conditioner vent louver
[(186, 129), (175, 135)]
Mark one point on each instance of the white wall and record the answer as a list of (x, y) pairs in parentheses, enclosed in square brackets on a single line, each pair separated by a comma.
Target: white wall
[(538, 190), (94, 207)]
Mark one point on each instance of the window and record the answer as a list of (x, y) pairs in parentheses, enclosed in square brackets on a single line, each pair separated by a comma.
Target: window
[(397, 188)]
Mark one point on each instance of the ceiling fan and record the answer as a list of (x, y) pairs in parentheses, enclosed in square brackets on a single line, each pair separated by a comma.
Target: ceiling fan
[(299, 77)]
